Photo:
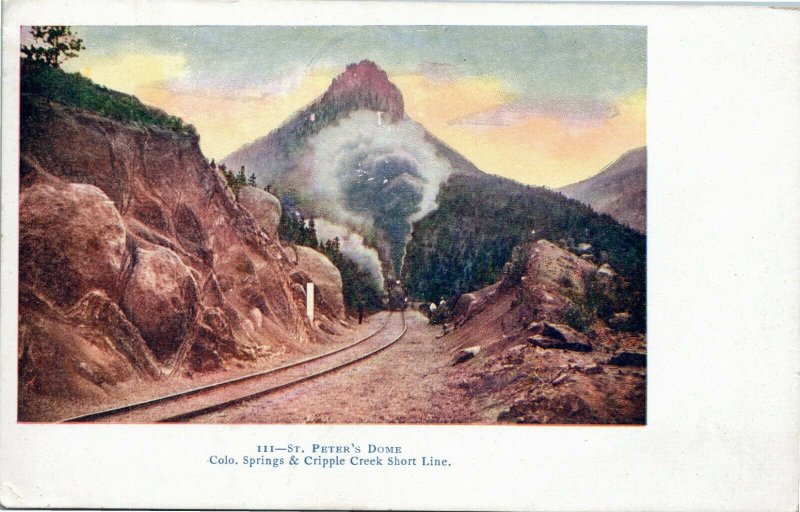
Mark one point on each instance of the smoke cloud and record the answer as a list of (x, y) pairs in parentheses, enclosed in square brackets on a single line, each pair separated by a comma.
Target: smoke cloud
[(352, 245), (366, 173)]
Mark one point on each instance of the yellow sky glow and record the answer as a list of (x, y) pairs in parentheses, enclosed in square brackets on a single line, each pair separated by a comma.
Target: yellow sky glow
[(533, 150)]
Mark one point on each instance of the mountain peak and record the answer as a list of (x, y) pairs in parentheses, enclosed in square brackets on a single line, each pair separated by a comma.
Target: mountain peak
[(365, 85)]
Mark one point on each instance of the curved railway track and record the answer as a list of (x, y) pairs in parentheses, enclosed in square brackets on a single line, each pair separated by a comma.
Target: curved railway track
[(196, 402)]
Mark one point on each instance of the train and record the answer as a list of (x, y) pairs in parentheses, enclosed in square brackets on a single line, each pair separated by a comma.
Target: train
[(396, 297)]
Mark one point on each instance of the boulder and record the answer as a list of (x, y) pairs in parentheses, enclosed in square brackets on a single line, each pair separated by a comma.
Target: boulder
[(558, 336), (556, 268), (326, 278), (466, 354), (606, 270), (470, 304), (263, 206), (71, 240), (161, 299), (58, 360), (88, 210), (629, 359)]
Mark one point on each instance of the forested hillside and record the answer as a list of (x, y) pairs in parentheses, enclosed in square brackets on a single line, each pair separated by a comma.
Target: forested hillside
[(464, 244)]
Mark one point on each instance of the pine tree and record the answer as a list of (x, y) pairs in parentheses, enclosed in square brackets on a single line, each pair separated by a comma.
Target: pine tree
[(54, 44)]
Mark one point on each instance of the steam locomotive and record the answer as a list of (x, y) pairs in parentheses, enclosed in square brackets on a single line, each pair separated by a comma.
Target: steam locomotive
[(396, 300)]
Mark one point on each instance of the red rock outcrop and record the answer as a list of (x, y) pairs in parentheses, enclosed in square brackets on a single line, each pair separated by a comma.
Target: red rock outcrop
[(263, 206), (161, 298), (136, 262), (72, 241), (365, 85)]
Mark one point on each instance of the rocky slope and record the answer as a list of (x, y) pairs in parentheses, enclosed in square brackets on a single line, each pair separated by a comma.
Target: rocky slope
[(620, 190), (534, 346), (137, 262)]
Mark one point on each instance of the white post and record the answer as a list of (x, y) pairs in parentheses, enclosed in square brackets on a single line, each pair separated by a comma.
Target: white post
[(310, 300)]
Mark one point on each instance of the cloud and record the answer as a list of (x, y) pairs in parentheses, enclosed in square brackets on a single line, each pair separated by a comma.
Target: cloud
[(538, 140), (429, 101), (229, 117), (438, 72), (547, 150), (577, 111), (129, 73)]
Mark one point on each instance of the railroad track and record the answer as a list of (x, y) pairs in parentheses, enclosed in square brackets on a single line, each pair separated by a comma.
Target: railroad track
[(203, 400)]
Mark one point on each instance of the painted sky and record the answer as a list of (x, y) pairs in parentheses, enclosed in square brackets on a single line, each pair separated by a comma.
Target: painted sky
[(542, 105)]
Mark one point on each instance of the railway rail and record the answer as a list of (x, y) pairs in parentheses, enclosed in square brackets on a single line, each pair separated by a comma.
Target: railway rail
[(203, 400)]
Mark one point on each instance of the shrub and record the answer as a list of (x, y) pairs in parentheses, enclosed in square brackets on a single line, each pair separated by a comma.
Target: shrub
[(579, 318)]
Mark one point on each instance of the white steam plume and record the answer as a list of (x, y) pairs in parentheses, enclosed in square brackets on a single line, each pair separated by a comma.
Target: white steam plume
[(365, 172), (352, 245)]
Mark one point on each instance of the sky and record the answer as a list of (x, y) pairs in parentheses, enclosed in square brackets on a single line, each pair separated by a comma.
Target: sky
[(542, 105)]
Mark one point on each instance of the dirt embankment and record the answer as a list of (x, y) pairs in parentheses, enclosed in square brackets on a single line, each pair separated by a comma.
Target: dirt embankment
[(137, 263), (528, 365)]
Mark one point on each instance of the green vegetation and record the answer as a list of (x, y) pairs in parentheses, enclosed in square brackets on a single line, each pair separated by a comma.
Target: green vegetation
[(365, 190), (602, 298), (516, 266), (358, 286), (324, 113), (41, 80), (579, 318), (236, 181), (292, 226), (465, 243)]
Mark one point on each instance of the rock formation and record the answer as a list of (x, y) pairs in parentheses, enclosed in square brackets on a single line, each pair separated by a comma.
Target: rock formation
[(263, 206), (361, 86), (315, 267), (135, 262)]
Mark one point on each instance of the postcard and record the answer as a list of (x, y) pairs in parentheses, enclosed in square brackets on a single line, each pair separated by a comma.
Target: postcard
[(324, 255)]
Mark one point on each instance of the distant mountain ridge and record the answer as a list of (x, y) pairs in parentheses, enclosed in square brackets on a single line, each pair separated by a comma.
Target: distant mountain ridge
[(619, 190)]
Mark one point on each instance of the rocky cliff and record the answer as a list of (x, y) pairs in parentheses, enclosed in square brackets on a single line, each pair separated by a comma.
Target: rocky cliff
[(137, 262)]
